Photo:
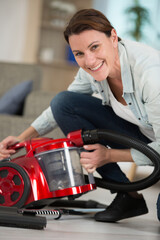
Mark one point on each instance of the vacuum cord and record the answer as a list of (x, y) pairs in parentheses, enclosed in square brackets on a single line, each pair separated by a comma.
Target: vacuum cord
[(94, 136)]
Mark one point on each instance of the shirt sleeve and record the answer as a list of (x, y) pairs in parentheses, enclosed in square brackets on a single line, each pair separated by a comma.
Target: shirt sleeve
[(45, 122), (82, 83), (151, 99)]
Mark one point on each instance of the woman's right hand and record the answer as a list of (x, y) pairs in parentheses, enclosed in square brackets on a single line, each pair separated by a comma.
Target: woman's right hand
[(4, 151)]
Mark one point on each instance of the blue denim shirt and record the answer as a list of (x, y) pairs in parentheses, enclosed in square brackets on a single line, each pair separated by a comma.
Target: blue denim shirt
[(140, 72)]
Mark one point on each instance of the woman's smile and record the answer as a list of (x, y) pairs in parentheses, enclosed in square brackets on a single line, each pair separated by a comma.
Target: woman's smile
[(97, 68)]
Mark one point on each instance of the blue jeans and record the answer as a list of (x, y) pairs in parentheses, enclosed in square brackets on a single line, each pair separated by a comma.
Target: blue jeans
[(73, 111)]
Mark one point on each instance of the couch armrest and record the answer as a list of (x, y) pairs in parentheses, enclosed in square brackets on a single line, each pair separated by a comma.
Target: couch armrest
[(14, 125)]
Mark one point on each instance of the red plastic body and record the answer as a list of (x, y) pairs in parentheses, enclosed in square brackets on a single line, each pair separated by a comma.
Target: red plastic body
[(76, 138), (39, 186)]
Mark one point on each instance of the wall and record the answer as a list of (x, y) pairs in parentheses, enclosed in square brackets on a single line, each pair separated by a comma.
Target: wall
[(19, 30), (12, 20)]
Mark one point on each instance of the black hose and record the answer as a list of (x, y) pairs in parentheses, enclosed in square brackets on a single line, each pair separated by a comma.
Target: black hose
[(94, 136)]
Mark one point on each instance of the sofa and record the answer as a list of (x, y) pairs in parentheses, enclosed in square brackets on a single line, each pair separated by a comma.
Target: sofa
[(35, 101)]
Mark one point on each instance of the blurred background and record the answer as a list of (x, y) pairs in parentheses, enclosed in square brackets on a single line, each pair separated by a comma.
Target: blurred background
[(32, 31)]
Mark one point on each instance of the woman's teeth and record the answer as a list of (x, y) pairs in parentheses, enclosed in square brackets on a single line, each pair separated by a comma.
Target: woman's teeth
[(94, 69)]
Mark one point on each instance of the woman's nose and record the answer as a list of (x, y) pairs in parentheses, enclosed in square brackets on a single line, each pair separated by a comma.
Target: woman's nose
[(89, 60)]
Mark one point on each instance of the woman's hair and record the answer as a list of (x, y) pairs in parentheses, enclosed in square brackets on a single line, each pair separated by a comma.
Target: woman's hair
[(88, 19)]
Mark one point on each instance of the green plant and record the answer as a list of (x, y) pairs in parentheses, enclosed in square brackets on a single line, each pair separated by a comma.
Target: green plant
[(139, 16)]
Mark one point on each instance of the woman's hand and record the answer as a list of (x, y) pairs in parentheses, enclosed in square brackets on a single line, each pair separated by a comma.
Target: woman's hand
[(4, 151), (99, 156)]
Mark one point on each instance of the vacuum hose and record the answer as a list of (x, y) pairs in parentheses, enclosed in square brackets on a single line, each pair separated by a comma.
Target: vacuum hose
[(94, 136)]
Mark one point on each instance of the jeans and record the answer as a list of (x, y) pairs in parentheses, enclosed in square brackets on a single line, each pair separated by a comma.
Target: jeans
[(73, 111)]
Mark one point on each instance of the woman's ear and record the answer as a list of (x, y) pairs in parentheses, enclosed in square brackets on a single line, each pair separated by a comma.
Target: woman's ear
[(114, 37)]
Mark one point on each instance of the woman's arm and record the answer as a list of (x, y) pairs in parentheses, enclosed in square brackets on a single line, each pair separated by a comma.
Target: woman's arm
[(82, 83), (28, 134), (150, 90)]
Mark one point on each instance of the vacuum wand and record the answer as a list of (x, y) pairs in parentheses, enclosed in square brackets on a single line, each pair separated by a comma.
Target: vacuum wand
[(79, 138), (11, 217)]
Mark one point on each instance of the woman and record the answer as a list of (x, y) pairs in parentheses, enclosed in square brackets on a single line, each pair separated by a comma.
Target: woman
[(125, 74)]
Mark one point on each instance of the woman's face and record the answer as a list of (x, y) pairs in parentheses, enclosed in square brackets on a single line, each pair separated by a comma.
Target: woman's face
[(96, 53)]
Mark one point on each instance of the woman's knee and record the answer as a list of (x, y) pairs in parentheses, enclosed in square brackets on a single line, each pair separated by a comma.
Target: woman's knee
[(61, 102)]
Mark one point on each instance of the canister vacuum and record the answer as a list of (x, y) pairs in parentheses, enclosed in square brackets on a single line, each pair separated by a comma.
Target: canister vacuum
[(51, 169)]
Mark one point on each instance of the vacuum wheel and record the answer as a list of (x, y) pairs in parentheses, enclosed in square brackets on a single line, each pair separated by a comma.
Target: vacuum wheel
[(14, 185)]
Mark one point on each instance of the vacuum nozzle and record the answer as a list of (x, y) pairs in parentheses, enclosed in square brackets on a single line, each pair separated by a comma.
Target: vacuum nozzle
[(76, 138), (80, 137)]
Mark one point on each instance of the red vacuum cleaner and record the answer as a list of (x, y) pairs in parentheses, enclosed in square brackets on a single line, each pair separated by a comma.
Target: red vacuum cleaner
[(51, 169)]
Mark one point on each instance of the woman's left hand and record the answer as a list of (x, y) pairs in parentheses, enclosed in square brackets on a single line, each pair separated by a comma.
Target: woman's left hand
[(97, 156)]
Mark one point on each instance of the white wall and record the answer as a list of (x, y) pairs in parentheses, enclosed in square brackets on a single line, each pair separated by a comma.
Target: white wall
[(19, 30), (12, 30)]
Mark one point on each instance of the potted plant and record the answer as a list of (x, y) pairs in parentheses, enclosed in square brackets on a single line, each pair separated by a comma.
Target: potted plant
[(139, 16)]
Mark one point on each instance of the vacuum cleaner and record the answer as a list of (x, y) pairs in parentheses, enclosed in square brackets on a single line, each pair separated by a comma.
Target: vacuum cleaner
[(51, 170)]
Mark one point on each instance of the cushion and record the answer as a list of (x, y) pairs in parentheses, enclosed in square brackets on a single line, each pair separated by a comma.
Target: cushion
[(12, 101)]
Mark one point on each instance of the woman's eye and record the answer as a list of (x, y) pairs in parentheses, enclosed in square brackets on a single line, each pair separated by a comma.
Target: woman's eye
[(94, 47), (78, 54)]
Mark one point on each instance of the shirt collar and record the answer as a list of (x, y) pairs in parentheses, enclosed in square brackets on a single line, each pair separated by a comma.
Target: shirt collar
[(126, 74)]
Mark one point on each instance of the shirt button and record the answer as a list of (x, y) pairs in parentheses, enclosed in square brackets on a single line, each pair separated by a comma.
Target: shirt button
[(130, 103), (139, 118)]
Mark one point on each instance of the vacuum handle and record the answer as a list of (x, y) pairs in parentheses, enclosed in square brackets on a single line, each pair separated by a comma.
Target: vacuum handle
[(17, 145), (26, 144)]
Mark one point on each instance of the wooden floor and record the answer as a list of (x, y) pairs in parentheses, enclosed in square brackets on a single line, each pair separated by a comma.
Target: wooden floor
[(145, 227)]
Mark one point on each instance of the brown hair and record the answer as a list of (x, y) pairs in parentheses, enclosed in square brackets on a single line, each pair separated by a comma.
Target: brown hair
[(88, 19)]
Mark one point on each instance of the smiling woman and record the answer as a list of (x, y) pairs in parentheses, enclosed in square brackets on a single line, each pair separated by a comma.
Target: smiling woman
[(126, 76), (96, 53)]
